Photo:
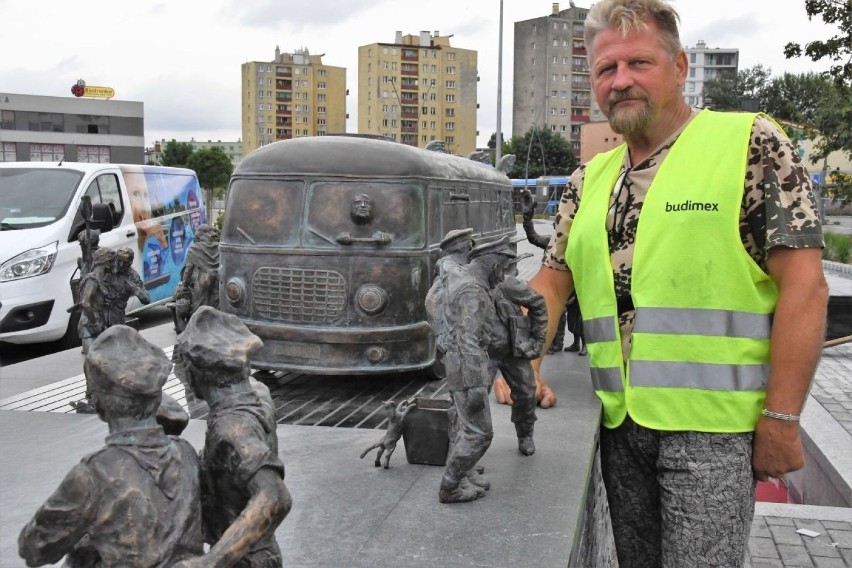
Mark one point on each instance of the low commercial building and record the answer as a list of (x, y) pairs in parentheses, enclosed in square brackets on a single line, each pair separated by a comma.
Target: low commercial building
[(35, 128)]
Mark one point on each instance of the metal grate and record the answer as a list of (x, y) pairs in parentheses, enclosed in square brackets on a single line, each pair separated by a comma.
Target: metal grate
[(298, 295), (343, 401)]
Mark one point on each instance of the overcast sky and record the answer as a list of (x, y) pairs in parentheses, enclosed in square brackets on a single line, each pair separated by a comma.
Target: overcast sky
[(182, 58)]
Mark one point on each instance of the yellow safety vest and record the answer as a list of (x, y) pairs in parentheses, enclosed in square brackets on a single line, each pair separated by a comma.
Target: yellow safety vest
[(699, 358)]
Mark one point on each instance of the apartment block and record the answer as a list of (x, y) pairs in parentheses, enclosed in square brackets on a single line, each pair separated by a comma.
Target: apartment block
[(35, 128), (293, 95), (419, 89), (552, 88), (707, 63)]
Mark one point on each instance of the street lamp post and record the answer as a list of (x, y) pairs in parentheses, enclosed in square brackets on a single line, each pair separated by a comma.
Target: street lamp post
[(498, 139)]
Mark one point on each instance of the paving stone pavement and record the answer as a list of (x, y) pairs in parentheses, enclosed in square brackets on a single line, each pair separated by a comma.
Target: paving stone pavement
[(774, 541)]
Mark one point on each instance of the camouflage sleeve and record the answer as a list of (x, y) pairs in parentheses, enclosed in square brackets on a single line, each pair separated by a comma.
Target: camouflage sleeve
[(554, 254), (779, 206)]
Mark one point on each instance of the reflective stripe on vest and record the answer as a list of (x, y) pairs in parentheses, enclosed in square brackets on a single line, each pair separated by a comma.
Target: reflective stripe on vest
[(699, 352)]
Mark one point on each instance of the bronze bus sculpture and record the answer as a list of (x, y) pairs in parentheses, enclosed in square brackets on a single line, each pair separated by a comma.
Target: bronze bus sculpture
[(329, 245)]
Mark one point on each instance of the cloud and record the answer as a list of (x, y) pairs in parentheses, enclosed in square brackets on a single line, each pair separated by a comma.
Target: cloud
[(723, 33), (273, 13), (190, 105)]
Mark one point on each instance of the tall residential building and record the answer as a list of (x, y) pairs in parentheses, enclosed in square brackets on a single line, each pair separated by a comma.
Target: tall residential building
[(551, 75), (707, 63), (293, 95), (37, 128), (419, 89)]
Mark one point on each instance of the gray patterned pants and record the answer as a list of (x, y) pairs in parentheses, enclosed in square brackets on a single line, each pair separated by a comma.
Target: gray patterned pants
[(678, 499)]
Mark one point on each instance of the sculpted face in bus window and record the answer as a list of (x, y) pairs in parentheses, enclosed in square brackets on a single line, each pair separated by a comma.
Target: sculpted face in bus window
[(361, 209)]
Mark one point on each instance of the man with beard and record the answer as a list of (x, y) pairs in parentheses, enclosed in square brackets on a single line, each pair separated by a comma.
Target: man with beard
[(704, 328)]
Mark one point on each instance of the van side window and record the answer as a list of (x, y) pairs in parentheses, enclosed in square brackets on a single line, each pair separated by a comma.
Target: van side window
[(104, 189)]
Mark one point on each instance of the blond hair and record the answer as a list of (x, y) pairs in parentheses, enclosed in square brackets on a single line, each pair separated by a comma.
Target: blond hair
[(627, 16)]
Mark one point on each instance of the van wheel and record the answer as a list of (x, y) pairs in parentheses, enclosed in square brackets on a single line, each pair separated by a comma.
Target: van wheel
[(71, 339)]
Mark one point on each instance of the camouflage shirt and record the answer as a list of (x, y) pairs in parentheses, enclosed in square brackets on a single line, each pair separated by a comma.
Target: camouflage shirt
[(778, 207)]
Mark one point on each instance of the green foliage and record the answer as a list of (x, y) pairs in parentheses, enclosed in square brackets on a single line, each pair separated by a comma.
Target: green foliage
[(833, 119), (838, 248), (836, 48), (220, 220), (839, 187), (214, 171), (540, 152), (176, 154), (796, 98), (728, 92)]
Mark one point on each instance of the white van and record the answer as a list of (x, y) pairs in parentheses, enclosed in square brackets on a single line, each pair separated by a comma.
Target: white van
[(151, 209)]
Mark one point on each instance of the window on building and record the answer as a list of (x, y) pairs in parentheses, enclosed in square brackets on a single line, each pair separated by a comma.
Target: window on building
[(553, 128), (564, 77), (7, 120), (692, 72), (563, 94), (555, 59), (321, 85), (450, 140), (554, 77), (451, 98), (433, 111), (46, 152), (553, 111), (322, 72), (320, 110), (451, 70), (692, 58), (321, 121), (94, 155), (450, 125), (451, 85), (321, 97), (555, 43), (8, 152), (450, 112), (563, 111)]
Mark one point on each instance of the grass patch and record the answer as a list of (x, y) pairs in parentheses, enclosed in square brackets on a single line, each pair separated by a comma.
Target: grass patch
[(838, 248)]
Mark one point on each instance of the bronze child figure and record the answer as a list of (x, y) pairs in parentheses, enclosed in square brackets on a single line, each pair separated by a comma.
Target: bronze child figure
[(244, 498), (136, 501)]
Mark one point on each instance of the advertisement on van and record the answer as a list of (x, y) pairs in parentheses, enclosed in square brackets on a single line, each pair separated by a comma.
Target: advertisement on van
[(167, 211)]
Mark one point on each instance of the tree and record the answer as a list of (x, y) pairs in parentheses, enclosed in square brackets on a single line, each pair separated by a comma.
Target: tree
[(540, 152), (214, 170), (835, 48), (729, 92), (176, 154), (833, 118), (796, 98)]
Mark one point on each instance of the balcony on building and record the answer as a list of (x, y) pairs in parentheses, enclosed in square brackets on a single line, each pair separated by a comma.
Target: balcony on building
[(284, 71), (579, 118), (283, 110), (579, 50), (410, 55), (409, 85), (285, 84), (284, 97), (409, 112)]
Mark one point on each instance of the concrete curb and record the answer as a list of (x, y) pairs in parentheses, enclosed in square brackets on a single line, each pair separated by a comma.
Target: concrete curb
[(791, 511)]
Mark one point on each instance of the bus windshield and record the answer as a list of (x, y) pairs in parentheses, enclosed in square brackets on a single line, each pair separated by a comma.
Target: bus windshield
[(35, 197), (264, 212), (367, 215)]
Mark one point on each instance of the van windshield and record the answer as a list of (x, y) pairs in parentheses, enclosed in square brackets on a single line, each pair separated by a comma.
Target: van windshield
[(35, 197)]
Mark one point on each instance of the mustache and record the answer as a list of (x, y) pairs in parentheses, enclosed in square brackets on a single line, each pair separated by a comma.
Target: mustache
[(628, 94)]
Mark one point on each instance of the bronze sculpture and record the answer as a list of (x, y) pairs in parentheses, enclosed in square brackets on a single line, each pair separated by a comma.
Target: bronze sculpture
[(396, 415), (136, 501), (515, 340), (244, 497), (199, 283)]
